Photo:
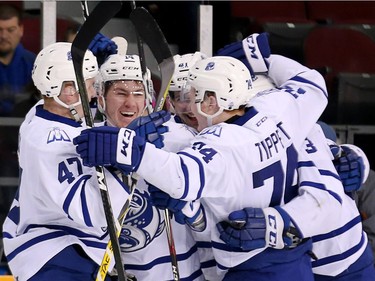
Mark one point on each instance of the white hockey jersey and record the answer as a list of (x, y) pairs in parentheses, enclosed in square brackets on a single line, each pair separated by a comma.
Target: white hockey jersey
[(144, 243), (339, 248), (230, 166), (338, 239), (58, 201)]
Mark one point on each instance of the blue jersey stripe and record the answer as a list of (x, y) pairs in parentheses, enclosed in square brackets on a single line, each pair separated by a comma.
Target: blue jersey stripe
[(337, 231), (33, 242), (186, 175), (322, 187), (303, 80), (339, 257), (161, 260)]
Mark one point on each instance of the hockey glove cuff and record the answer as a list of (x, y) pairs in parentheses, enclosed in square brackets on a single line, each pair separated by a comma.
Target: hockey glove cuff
[(252, 51), (253, 228), (110, 146), (190, 213), (277, 224), (352, 166), (193, 215)]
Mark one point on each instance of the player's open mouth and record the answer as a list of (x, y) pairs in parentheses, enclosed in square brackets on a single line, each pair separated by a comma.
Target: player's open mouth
[(127, 114), (191, 116)]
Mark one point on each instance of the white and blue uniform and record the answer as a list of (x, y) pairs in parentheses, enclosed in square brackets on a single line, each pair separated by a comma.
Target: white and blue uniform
[(58, 202), (345, 245), (259, 168), (144, 243), (337, 243)]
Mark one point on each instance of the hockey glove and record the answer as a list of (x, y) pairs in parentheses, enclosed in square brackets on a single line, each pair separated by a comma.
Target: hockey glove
[(350, 163), (151, 127), (252, 51), (110, 146), (190, 213), (253, 228), (102, 47)]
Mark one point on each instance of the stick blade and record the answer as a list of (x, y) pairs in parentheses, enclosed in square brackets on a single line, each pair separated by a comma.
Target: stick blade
[(102, 13), (152, 35), (122, 45), (166, 72)]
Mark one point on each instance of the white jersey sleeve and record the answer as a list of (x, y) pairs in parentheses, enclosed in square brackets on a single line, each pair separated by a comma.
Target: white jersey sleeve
[(144, 244), (338, 241), (178, 136), (297, 102), (256, 171), (226, 177)]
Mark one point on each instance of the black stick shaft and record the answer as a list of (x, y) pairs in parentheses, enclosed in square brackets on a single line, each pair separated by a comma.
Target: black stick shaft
[(102, 13)]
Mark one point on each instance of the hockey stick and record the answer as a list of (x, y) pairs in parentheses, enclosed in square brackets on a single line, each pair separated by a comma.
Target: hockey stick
[(102, 13), (148, 29), (150, 32), (142, 59), (122, 44), (85, 9)]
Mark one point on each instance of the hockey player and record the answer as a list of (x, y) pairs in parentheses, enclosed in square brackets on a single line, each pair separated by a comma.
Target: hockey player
[(56, 227), (143, 239), (179, 91), (343, 253), (344, 261), (179, 99), (223, 88), (352, 166)]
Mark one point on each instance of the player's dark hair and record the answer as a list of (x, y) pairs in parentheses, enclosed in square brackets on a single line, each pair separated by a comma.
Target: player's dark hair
[(171, 95), (8, 11)]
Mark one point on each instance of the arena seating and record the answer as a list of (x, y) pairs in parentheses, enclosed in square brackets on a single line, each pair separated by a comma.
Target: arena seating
[(356, 98), (32, 31), (335, 50), (276, 11), (285, 21), (341, 11), (287, 38)]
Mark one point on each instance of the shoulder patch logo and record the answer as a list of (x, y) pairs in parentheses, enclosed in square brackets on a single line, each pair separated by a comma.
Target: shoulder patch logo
[(56, 134)]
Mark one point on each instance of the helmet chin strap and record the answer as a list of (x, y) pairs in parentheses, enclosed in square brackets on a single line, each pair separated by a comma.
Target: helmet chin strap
[(71, 107), (208, 117), (100, 107), (145, 109)]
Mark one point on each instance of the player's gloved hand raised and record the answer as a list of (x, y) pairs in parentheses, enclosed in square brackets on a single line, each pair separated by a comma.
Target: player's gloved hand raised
[(110, 146), (151, 127), (352, 166), (253, 228), (253, 51), (102, 47), (190, 213)]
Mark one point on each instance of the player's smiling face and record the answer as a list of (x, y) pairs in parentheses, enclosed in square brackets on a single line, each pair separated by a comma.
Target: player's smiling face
[(182, 107), (125, 101)]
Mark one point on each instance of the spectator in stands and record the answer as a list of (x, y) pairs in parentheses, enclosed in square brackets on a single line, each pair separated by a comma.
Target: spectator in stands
[(15, 61)]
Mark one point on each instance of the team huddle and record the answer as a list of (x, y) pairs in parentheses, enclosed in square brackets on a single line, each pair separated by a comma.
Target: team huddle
[(239, 161)]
